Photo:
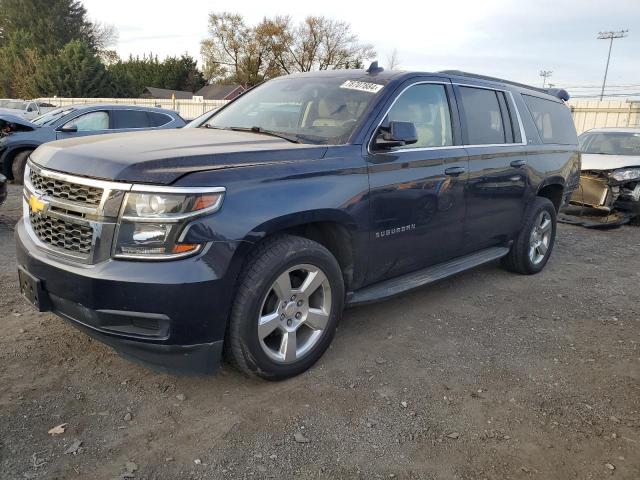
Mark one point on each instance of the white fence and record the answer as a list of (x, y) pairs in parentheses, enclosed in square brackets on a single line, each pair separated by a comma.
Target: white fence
[(609, 113), (188, 109), (586, 114)]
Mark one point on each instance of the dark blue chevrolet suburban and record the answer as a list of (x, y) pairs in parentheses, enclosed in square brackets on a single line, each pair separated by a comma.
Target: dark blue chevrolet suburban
[(250, 234)]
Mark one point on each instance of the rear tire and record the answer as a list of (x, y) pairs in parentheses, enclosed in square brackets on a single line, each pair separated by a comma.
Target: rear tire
[(287, 307), (18, 166), (532, 249)]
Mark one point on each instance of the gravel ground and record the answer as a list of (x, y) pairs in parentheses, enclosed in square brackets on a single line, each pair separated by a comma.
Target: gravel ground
[(488, 375)]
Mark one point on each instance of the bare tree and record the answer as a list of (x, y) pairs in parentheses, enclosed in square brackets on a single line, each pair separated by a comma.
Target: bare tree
[(276, 46), (393, 60)]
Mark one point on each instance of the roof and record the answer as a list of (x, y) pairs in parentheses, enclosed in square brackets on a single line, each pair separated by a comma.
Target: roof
[(219, 91), (116, 106), (165, 93)]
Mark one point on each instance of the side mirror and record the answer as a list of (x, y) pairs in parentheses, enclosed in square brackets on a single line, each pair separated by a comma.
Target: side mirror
[(69, 129), (396, 134)]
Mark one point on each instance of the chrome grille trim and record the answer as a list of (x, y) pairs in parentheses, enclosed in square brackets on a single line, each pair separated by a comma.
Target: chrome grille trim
[(61, 234), (82, 231), (73, 193)]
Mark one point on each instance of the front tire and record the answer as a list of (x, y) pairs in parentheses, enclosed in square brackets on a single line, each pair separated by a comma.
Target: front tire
[(18, 166), (286, 309), (532, 249)]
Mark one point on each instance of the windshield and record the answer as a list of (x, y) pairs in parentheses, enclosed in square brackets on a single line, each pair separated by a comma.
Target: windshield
[(52, 116), (309, 109), (13, 104), (610, 143)]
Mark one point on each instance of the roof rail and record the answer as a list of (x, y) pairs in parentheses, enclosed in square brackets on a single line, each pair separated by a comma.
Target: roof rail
[(556, 92)]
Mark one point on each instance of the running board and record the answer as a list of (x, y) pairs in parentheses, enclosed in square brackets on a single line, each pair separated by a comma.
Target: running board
[(411, 281)]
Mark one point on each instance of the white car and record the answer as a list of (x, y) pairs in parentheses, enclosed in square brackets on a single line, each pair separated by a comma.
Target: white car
[(610, 177), (28, 109)]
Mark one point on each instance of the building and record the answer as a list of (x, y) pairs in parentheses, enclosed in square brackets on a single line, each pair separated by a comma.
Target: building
[(219, 92), (165, 93)]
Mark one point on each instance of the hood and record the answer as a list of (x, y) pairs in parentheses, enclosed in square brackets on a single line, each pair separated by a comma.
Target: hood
[(7, 116), (163, 156), (592, 161)]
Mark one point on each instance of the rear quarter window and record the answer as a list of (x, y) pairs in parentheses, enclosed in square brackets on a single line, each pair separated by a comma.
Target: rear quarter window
[(552, 119), (158, 119)]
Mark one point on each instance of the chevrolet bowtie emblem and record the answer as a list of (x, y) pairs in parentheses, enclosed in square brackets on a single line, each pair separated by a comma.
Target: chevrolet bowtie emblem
[(35, 204)]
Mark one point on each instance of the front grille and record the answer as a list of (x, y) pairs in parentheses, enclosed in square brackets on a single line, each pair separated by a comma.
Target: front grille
[(62, 190), (61, 234)]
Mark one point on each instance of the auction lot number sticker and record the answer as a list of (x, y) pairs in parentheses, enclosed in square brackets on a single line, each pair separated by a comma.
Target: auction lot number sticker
[(362, 86)]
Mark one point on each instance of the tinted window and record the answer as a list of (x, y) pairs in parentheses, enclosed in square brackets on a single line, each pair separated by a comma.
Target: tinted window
[(426, 106), (158, 119), (90, 122), (553, 120), (482, 116), (130, 119)]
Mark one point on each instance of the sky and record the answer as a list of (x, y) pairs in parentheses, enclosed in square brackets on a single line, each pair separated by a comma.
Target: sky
[(513, 39)]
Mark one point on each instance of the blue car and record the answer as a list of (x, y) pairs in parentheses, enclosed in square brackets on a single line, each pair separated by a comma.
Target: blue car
[(19, 137)]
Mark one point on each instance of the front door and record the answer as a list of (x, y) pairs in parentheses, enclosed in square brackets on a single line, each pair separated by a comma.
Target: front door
[(417, 191)]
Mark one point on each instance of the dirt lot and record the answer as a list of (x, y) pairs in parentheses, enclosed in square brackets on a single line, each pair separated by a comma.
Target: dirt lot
[(487, 375)]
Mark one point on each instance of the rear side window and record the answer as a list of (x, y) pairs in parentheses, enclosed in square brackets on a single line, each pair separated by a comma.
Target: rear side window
[(130, 119), (158, 119), (483, 117), (553, 120)]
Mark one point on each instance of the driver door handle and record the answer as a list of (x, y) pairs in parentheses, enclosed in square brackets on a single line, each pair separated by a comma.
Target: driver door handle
[(455, 171), (518, 163)]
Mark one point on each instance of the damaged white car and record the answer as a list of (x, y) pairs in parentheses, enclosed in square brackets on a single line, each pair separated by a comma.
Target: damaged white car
[(610, 177)]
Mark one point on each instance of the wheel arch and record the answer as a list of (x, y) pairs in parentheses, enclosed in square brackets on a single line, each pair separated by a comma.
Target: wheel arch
[(10, 154), (552, 189), (333, 229)]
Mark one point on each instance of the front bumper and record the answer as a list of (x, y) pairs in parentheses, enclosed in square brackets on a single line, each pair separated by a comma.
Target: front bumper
[(170, 316)]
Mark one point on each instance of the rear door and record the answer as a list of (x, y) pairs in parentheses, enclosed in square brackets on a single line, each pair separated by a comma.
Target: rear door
[(498, 173), (417, 191)]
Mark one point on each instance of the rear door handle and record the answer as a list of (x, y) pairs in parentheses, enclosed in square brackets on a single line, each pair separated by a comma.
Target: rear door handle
[(518, 163), (455, 171)]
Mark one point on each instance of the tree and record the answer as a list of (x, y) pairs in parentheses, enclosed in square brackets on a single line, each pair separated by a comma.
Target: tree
[(233, 52), (75, 72), (393, 60), (176, 73), (51, 23), (18, 65), (247, 55)]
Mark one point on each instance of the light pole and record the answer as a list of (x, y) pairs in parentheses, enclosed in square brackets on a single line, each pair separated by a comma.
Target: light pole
[(609, 36), (545, 74)]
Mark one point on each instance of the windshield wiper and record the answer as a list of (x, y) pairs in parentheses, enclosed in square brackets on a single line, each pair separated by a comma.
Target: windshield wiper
[(284, 136)]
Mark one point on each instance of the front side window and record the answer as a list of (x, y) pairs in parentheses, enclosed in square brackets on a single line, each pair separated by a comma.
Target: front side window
[(482, 116), (309, 109), (553, 120), (426, 106), (90, 122)]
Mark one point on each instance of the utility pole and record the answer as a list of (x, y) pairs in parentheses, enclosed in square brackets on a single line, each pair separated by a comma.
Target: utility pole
[(609, 36), (545, 74)]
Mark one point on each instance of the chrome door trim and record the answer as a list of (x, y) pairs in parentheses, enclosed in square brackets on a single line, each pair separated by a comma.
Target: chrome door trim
[(523, 134)]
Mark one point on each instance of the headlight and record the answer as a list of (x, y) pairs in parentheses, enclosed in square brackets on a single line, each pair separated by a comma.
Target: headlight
[(626, 174), (151, 221)]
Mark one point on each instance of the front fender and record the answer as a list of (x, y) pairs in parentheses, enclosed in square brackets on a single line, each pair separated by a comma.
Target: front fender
[(9, 152)]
